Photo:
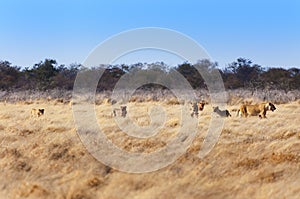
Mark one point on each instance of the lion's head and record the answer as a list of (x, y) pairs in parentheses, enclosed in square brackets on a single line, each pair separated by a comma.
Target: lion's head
[(270, 107)]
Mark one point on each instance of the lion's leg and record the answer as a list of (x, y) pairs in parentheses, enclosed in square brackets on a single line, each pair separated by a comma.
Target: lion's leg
[(245, 114), (263, 114), (114, 113)]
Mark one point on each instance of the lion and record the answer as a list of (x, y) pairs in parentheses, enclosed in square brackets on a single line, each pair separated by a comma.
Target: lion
[(201, 106), (256, 109), (224, 113), (37, 112), (120, 111), (196, 107)]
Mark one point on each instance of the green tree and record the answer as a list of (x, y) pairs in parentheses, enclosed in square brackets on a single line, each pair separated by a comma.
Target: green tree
[(242, 73), (43, 74), (9, 75), (278, 78), (191, 74), (295, 75), (65, 77)]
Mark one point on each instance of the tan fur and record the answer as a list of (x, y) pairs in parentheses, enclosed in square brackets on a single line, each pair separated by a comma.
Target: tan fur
[(71, 103), (37, 112), (196, 107), (256, 110), (201, 106), (234, 109)]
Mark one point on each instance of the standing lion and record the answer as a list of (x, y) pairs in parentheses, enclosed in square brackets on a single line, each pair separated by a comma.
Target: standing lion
[(37, 112), (256, 109)]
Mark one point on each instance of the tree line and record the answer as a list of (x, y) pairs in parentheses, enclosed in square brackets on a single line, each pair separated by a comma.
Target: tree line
[(242, 73)]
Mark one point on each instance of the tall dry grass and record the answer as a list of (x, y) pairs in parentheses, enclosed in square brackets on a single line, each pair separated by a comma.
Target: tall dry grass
[(234, 96), (44, 158)]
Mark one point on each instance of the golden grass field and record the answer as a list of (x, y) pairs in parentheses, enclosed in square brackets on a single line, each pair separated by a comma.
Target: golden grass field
[(44, 157)]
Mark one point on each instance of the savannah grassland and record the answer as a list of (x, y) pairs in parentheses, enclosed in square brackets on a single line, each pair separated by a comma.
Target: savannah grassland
[(44, 157)]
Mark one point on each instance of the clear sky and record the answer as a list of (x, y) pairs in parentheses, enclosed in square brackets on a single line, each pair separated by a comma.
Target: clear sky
[(267, 32)]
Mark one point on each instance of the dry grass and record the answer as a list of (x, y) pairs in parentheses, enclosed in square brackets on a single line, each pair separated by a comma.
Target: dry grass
[(44, 158)]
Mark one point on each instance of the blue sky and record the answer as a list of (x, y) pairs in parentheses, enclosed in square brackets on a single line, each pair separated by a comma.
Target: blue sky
[(267, 32)]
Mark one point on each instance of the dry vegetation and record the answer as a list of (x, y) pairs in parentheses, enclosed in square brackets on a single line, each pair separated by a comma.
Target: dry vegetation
[(44, 158)]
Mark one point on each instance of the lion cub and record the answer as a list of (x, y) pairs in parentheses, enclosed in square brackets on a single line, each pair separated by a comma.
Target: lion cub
[(120, 111), (221, 113), (37, 112), (196, 107)]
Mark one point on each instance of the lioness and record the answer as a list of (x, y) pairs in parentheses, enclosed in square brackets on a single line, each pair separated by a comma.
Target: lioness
[(120, 111), (37, 112), (257, 109), (224, 113)]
